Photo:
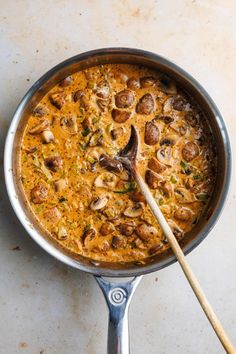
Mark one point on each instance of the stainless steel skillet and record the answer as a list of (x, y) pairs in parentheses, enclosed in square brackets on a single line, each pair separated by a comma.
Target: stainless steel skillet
[(118, 295)]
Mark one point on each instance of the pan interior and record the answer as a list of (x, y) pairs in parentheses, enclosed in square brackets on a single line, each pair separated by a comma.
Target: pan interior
[(84, 61)]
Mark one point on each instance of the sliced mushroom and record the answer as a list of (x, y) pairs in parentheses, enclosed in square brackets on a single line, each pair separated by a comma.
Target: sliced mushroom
[(103, 90), (165, 119), (105, 180), (47, 136), (53, 214), (176, 229), (53, 163), (134, 211), (183, 214), (62, 233), (66, 82), (151, 134), (164, 155), (117, 132), (183, 195), (107, 228), (85, 102), (147, 81), (121, 76), (110, 164), (87, 123), (166, 188), (127, 228), (99, 203), (167, 85), (61, 184), (97, 138), (124, 99), (58, 99), (146, 232), (88, 236), (78, 94), (190, 151), (152, 179), (102, 247), (156, 166), (146, 104), (40, 110), (120, 116), (119, 241), (168, 141), (133, 84), (38, 194), (69, 124), (39, 128), (103, 104), (155, 248)]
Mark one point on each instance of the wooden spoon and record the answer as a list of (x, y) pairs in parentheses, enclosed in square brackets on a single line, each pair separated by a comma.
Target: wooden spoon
[(127, 157)]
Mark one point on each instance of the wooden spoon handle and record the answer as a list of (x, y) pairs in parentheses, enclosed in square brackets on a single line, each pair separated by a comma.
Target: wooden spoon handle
[(219, 330)]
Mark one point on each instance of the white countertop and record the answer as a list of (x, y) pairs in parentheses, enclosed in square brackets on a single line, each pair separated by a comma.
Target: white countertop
[(45, 307)]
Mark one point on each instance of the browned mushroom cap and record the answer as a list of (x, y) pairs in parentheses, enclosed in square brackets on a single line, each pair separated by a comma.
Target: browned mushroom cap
[(191, 119), (40, 110), (183, 214), (110, 164), (127, 228), (103, 89), (124, 99), (146, 232), (167, 85), (120, 116), (38, 194), (152, 179), (53, 214), (156, 166), (66, 82), (190, 151), (107, 228), (39, 128), (119, 241), (179, 103), (133, 83), (58, 99), (151, 134), (146, 104), (147, 81), (53, 163)]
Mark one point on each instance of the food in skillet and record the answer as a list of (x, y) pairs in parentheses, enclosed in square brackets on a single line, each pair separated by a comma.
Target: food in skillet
[(81, 195)]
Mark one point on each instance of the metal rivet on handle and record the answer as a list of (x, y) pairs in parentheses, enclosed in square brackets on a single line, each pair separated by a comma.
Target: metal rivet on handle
[(117, 296)]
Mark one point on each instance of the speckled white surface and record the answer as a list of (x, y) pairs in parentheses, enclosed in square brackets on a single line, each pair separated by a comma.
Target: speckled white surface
[(45, 307)]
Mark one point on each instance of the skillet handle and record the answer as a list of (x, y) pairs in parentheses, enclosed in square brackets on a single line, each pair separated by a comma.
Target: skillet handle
[(118, 297)]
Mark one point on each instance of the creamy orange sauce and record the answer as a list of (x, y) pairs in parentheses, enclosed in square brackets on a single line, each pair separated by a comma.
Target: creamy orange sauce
[(76, 194)]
